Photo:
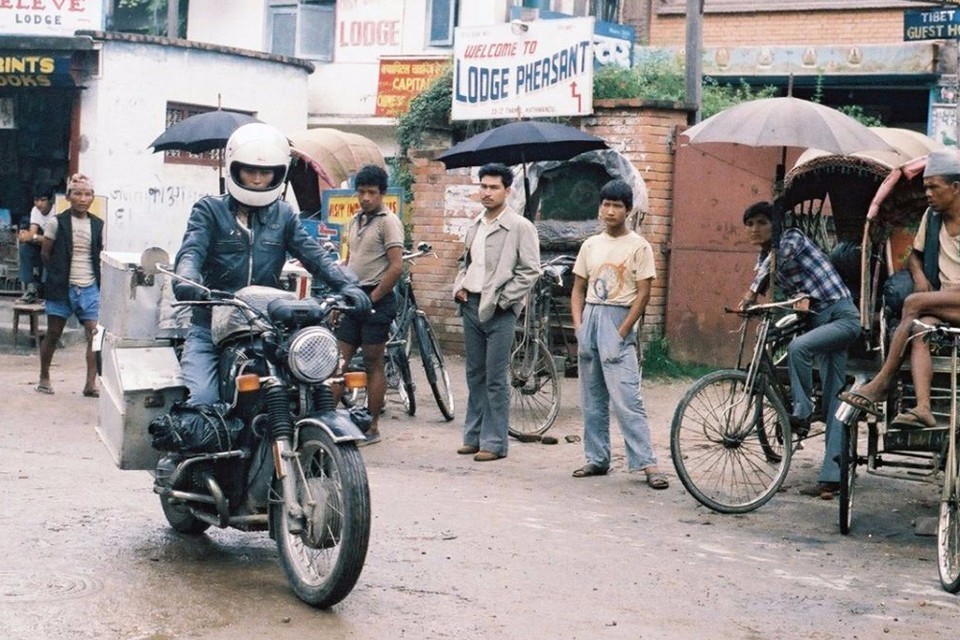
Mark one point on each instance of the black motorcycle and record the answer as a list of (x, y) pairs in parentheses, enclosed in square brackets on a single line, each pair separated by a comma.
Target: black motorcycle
[(275, 454)]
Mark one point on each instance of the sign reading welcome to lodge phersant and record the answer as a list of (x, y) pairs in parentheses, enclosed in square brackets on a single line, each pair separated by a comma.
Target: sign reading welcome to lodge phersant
[(541, 68)]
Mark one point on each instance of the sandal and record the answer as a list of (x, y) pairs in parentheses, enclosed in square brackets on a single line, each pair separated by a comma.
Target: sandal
[(44, 388), (91, 393), (913, 419), (860, 401), (658, 481), (590, 469)]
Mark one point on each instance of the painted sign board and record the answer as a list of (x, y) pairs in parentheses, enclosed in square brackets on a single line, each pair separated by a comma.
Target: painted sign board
[(338, 207), (612, 42), (931, 24), (32, 70), (403, 79), (542, 68), (50, 17), (367, 29)]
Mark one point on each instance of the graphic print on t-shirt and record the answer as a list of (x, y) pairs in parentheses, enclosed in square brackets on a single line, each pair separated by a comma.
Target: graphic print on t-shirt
[(609, 281)]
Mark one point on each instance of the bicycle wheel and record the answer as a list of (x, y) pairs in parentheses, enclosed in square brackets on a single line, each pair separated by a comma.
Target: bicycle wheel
[(848, 474), (948, 529), (534, 389), (721, 441), (433, 365), (397, 368)]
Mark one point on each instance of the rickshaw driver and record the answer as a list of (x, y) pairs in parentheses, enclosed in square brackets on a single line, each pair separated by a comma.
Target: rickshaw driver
[(803, 269), (935, 297)]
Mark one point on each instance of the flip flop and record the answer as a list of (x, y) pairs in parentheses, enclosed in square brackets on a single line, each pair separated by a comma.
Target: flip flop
[(590, 469), (912, 419), (658, 481), (860, 401), (45, 388), (91, 393)]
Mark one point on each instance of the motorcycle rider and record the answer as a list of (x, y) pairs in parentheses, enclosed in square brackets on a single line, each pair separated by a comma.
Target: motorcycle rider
[(242, 238)]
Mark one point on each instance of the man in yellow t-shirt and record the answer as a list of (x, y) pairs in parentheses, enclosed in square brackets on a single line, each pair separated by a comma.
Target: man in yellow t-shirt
[(611, 288)]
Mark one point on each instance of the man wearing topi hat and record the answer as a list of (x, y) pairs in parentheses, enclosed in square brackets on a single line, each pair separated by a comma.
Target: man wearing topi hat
[(934, 266)]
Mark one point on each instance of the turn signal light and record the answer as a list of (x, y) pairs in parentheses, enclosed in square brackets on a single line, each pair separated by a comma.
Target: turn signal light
[(355, 379), (248, 382)]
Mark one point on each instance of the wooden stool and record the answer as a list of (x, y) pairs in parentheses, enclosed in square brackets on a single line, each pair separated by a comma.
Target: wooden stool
[(34, 311)]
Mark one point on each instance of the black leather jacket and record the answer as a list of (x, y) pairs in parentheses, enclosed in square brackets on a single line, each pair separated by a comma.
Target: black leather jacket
[(222, 255)]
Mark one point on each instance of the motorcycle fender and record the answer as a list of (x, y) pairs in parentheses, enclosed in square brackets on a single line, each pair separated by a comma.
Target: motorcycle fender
[(337, 423)]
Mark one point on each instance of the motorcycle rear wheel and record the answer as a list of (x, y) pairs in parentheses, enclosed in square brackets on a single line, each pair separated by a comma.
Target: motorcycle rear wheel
[(180, 518), (324, 561)]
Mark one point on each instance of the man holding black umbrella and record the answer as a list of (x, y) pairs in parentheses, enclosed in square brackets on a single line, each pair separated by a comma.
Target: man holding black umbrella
[(499, 266)]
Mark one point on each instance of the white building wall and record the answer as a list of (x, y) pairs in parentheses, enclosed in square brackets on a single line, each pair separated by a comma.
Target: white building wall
[(231, 23), (124, 110)]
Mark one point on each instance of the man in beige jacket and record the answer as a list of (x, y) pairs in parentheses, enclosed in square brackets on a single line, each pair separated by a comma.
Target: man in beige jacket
[(499, 266)]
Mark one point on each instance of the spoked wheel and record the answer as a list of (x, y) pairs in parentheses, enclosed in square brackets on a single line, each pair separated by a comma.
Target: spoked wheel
[(534, 389), (848, 474), (399, 377), (433, 365), (731, 448), (948, 530), (180, 518), (323, 560)]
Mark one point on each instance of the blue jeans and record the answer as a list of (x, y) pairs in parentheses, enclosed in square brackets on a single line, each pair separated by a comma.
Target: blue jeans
[(610, 375), (198, 366), (835, 328), (84, 302), (30, 264), (487, 348)]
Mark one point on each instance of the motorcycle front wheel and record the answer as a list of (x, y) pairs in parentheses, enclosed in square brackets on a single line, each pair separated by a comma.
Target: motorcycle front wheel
[(323, 560)]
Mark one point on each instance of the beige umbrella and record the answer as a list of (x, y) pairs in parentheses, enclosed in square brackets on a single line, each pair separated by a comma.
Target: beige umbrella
[(324, 158)]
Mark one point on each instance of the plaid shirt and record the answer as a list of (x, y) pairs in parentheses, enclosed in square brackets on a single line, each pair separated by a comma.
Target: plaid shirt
[(801, 268)]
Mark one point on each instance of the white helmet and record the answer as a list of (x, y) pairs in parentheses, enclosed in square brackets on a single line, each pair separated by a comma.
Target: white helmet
[(256, 146)]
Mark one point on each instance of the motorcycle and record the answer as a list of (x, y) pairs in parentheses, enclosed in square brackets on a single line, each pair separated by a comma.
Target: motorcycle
[(284, 458)]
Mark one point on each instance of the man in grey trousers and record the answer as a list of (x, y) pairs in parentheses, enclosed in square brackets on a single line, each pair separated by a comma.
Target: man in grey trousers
[(499, 266)]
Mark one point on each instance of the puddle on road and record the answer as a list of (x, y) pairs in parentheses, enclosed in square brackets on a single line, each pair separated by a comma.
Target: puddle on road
[(37, 586)]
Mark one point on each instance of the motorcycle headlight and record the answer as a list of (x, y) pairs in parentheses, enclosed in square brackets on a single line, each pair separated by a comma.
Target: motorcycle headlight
[(314, 354)]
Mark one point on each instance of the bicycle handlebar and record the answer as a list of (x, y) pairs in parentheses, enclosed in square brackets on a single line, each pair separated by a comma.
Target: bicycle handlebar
[(756, 309), (942, 329)]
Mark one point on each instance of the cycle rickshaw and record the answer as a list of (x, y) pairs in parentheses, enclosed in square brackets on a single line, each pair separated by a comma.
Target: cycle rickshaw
[(731, 440)]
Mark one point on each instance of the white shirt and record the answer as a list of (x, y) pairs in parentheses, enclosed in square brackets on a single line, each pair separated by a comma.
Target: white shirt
[(473, 279)]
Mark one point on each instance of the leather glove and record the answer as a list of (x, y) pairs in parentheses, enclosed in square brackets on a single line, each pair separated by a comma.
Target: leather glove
[(187, 292), (357, 298)]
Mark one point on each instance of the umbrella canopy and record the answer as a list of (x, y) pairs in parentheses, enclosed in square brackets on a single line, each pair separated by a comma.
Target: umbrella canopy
[(787, 122), (519, 143), (323, 158), (202, 132)]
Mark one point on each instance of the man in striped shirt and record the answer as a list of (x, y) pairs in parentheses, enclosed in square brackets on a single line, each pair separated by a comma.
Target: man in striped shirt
[(803, 269)]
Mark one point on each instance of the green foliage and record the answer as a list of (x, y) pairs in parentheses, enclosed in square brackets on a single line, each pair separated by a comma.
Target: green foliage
[(657, 363), (855, 111)]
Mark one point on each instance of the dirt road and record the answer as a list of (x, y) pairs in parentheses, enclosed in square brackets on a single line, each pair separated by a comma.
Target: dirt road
[(510, 549)]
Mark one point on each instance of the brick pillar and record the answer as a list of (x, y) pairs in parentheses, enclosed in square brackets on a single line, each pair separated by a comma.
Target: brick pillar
[(444, 203)]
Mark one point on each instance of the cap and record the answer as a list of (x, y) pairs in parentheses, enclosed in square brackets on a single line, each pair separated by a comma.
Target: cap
[(79, 181), (945, 162)]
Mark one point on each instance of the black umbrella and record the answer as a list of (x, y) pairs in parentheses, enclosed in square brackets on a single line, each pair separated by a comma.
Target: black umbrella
[(202, 132), (519, 143)]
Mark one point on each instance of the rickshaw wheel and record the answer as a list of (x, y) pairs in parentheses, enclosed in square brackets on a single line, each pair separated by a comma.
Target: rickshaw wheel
[(848, 474), (948, 534)]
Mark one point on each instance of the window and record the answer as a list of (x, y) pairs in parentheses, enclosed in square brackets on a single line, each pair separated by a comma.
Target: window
[(302, 28), (441, 19), (177, 112), (605, 10)]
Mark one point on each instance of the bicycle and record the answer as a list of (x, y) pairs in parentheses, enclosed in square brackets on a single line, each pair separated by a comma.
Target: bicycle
[(730, 440), (413, 320), (534, 382)]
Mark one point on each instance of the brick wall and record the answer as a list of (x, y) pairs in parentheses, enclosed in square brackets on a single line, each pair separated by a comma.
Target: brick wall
[(877, 26), (639, 130)]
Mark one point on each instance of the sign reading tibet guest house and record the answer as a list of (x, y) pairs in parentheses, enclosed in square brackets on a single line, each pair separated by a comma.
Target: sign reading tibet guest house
[(506, 70), (49, 17), (367, 29)]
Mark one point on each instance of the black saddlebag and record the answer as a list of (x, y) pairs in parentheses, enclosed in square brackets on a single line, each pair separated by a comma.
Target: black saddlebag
[(201, 428)]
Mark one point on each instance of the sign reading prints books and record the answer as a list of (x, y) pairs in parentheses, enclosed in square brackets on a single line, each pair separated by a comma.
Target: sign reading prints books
[(542, 68)]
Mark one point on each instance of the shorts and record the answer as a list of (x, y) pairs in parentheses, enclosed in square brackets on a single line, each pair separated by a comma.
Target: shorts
[(371, 329), (82, 301)]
